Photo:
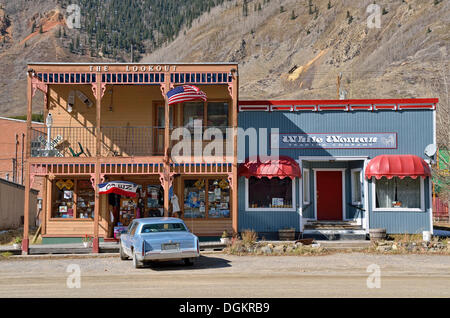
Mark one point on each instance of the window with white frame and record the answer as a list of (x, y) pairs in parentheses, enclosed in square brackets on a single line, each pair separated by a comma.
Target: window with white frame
[(306, 187), (396, 193), (356, 186), (271, 194)]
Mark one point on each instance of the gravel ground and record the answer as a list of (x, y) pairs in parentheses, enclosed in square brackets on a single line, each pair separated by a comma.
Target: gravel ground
[(219, 275)]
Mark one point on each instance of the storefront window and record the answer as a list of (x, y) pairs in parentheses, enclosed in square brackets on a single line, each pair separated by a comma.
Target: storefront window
[(85, 199), (63, 198), (306, 187), (272, 193), (218, 198), (73, 198), (194, 198), (398, 193), (356, 186), (216, 205)]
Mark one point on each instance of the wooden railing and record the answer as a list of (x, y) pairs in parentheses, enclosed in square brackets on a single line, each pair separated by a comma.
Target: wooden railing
[(129, 142)]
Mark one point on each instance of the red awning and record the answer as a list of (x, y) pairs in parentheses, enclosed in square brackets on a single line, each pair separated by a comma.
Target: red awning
[(282, 167), (401, 166)]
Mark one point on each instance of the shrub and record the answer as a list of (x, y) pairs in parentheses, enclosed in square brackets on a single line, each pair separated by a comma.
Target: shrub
[(249, 237)]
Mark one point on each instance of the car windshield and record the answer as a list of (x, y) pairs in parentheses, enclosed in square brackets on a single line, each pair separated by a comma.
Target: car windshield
[(163, 227)]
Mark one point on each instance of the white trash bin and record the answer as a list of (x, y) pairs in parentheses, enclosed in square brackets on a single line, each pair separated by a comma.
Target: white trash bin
[(426, 236)]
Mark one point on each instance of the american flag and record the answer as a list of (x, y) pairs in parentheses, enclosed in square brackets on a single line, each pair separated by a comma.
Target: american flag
[(185, 93)]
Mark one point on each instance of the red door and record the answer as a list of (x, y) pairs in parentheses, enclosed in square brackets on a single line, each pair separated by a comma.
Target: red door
[(329, 195)]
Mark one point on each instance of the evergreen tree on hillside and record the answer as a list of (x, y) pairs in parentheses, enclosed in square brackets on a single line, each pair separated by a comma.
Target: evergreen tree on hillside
[(115, 25)]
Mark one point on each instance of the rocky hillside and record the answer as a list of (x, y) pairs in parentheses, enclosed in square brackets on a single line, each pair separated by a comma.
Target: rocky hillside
[(31, 36)]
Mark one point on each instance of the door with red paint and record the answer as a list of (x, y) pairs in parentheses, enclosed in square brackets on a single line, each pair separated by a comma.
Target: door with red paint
[(329, 195)]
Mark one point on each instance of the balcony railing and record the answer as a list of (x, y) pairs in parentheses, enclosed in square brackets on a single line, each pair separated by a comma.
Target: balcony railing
[(123, 141), (63, 141)]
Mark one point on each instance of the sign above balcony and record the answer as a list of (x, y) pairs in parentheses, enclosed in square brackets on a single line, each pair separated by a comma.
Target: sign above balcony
[(135, 68)]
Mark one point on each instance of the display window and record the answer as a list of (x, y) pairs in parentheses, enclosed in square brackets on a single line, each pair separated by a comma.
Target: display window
[(72, 199), (272, 194), (399, 194), (206, 198)]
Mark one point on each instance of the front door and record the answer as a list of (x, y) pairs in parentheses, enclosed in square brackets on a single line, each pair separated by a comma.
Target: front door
[(329, 195)]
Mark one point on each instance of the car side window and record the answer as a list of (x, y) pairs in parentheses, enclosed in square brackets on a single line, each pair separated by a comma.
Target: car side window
[(133, 229)]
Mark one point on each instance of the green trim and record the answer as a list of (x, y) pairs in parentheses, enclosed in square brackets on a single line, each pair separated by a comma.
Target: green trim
[(63, 240), (209, 238)]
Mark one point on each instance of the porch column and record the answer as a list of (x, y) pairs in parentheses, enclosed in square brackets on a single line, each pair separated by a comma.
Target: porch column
[(95, 242), (234, 190), (98, 102), (166, 180), (26, 209)]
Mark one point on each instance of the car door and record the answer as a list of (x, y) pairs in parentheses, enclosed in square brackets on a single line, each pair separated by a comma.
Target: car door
[(126, 238)]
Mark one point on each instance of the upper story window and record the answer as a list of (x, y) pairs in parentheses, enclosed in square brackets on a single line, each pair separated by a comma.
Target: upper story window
[(210, 114)]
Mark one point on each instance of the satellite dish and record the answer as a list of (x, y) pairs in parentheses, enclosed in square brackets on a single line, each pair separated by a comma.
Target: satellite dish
[(430, 150)]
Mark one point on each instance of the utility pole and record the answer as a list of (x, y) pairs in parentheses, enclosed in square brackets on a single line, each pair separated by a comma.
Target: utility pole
[(23, 143), (132, 54), (15, 175), (338, 85)]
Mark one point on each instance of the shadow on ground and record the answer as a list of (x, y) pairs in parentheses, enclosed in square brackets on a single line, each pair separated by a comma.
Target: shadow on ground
[(200, 263)]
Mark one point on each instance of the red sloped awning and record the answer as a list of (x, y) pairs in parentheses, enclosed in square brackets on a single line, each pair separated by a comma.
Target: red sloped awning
[(281, 168), (401, 166)]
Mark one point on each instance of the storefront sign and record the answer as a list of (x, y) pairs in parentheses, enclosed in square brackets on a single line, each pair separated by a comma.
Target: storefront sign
[(335, 140)]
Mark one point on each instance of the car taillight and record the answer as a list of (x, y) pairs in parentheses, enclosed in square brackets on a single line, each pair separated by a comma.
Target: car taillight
[(198, 247), (143, 248)]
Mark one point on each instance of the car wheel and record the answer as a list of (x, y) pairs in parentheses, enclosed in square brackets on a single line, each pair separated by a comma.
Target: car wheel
[(123, 256), (136, 262), (188, 261)]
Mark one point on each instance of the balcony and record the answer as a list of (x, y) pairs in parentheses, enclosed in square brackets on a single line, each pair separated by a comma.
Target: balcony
[(189, 143)]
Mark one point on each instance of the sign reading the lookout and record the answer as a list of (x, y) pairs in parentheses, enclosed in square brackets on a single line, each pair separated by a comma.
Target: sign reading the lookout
[(335, 140)]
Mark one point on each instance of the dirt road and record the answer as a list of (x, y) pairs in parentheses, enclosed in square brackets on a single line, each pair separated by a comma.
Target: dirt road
[(219, 275)]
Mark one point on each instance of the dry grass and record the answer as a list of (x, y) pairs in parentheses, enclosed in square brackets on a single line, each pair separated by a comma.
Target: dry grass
[(249, 237), (8, 237)]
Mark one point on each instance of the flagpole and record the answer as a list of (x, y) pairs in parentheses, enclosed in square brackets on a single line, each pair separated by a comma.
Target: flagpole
[(166, 182)]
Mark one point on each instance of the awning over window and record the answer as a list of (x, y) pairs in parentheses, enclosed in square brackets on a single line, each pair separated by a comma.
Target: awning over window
[(281, 168), (401, 166)]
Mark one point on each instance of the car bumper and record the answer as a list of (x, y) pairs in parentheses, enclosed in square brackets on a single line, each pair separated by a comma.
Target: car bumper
[(168, 255)]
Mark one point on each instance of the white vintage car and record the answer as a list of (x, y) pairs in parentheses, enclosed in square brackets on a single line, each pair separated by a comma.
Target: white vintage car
[(151, 239)]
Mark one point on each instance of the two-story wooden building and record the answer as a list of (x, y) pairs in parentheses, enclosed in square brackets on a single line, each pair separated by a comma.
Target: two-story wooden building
[(112, 122)]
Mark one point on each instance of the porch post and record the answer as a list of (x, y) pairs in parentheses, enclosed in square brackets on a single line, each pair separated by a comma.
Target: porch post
[(234, 190), (98, 101), (26, 209), (166, 180)]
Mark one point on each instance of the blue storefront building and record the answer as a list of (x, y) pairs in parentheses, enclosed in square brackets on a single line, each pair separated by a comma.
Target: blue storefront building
[(354, 165)]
